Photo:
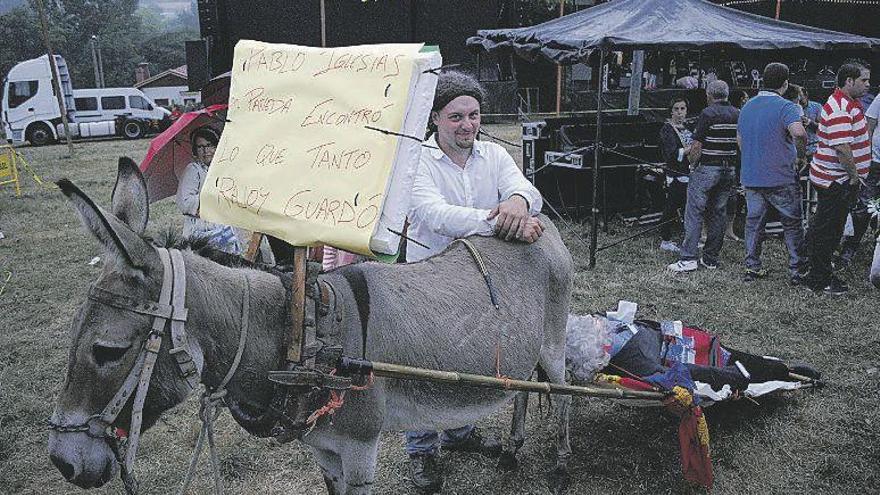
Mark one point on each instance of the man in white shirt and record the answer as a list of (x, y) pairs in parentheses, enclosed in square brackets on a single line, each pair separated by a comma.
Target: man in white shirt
[(870, 191), (463, 187)]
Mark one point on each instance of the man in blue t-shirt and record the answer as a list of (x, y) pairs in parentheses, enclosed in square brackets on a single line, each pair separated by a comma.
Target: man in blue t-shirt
[(812, 111), (770, 134)]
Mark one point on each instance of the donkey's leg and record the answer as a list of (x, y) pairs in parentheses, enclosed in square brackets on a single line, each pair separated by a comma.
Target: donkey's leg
[(508, 461), (331, 469), (359, 465), (553, 362)]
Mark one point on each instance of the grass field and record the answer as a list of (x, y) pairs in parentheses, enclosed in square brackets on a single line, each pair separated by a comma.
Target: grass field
[(821, 441)]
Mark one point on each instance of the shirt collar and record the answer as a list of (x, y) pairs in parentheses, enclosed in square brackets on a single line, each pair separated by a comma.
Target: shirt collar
[(437, 153), (840, 94), (768, 93)]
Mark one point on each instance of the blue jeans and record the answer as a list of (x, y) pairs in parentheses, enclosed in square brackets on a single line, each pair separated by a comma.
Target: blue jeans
[(427, 442), (787, 201), (707, 193)]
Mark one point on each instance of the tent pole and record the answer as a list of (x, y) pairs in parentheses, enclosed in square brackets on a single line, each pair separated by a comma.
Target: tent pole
[(597, 153), (559, 69), (323, 25)]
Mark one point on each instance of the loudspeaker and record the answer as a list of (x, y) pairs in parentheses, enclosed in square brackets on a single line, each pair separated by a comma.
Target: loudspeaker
[(198, 71)]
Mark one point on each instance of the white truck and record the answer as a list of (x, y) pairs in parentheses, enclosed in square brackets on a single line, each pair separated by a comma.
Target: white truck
[(31, 112)]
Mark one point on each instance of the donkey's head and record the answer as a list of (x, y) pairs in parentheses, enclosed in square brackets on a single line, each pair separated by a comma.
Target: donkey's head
[(106, 340)]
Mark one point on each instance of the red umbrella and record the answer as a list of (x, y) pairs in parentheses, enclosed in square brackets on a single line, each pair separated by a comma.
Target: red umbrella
[(170, 152)]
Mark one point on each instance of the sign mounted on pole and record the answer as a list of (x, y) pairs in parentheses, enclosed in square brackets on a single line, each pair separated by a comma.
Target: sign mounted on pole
[(321, 144)]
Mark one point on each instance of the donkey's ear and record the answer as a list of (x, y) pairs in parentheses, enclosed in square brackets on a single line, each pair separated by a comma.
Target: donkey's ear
[(116, 237), (130, 201)]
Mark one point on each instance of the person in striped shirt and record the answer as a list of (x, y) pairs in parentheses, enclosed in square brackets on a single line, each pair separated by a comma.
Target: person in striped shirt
[(843, 156), (714, 157)]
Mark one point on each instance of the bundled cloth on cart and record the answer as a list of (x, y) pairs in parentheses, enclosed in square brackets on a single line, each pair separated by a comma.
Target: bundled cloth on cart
[(687, 362), (619, 344)]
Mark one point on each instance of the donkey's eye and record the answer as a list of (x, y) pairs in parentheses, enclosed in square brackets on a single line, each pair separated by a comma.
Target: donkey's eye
[(107, 354)]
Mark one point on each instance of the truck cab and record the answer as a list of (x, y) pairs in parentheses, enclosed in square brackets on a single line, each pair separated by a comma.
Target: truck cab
[(30, 110)]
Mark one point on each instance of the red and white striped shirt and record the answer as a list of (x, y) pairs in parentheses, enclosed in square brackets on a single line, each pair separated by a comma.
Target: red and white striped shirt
[(842, 121)]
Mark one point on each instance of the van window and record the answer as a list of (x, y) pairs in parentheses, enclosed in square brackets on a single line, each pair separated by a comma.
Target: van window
[(139, 102), (86, 104), (22, 91), (113, 102), (162, 102)]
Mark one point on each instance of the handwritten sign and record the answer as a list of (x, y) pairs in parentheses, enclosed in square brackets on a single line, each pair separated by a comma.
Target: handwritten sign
[(299, 158)]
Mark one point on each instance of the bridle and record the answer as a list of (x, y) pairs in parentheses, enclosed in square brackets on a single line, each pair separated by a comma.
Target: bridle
[(169, 311)]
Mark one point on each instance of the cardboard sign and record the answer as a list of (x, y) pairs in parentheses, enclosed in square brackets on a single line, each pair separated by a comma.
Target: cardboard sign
[(309, 149)]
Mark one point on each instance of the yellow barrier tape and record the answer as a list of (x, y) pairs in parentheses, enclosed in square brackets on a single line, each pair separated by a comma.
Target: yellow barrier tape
[(34, 175)]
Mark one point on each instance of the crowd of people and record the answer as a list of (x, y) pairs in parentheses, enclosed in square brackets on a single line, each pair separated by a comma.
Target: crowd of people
[(763, 144), (760, 142)]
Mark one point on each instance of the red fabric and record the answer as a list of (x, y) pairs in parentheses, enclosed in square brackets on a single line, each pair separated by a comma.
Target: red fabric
[(170, 152), (696, 462), (702, 344)]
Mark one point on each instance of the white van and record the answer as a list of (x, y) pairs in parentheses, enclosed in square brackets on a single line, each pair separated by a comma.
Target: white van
[(134, 113), (93, 105), (31, 113)]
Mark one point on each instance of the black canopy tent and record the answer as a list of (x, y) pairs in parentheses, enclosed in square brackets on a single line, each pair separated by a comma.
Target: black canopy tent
[(662, 25)]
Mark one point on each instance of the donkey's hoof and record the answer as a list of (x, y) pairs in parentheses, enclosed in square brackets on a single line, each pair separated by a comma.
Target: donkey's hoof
[(507, 461), (559, 481)]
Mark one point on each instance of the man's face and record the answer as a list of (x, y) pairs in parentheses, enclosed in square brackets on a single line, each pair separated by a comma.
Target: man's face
[(858, 87), (458, 123)]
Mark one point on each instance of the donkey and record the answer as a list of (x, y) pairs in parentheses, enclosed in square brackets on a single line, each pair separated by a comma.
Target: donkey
[(434, 314)]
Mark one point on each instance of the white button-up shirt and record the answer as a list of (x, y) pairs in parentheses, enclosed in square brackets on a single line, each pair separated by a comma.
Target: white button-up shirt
[(451, 202)]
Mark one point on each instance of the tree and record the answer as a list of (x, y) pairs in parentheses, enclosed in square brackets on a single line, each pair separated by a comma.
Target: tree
[(17, 30)]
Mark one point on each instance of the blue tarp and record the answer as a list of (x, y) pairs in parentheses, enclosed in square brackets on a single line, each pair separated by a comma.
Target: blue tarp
[(661, 25)]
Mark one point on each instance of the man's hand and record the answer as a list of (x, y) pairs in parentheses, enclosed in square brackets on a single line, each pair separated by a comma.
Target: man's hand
[(512, 216), (532, 230)]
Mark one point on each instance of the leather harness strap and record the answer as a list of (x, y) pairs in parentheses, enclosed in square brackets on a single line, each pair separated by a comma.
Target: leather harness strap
[(179, 341), (152, 346)]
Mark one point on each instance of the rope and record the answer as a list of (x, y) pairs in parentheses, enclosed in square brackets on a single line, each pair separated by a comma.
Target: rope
[(34, 175), (496, 138), (335, 401), (361, 388), (478, 258), (498, 367), (209, 412)]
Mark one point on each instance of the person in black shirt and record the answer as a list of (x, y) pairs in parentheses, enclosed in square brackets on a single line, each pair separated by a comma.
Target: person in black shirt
[(714, 158), (675, 143)]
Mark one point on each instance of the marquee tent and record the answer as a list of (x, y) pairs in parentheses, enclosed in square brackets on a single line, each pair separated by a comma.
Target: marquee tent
[(657, 25)]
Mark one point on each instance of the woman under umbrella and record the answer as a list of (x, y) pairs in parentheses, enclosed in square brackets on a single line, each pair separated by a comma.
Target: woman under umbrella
[(222, 237)]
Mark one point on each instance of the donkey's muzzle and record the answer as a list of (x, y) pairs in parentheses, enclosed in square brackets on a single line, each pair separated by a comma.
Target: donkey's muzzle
[(86, 478), (84, 461)]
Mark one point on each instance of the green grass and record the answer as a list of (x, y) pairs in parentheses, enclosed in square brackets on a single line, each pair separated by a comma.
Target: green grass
[(822, 441)]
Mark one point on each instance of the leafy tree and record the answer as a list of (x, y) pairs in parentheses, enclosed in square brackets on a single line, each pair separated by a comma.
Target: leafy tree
[(17, 30)]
